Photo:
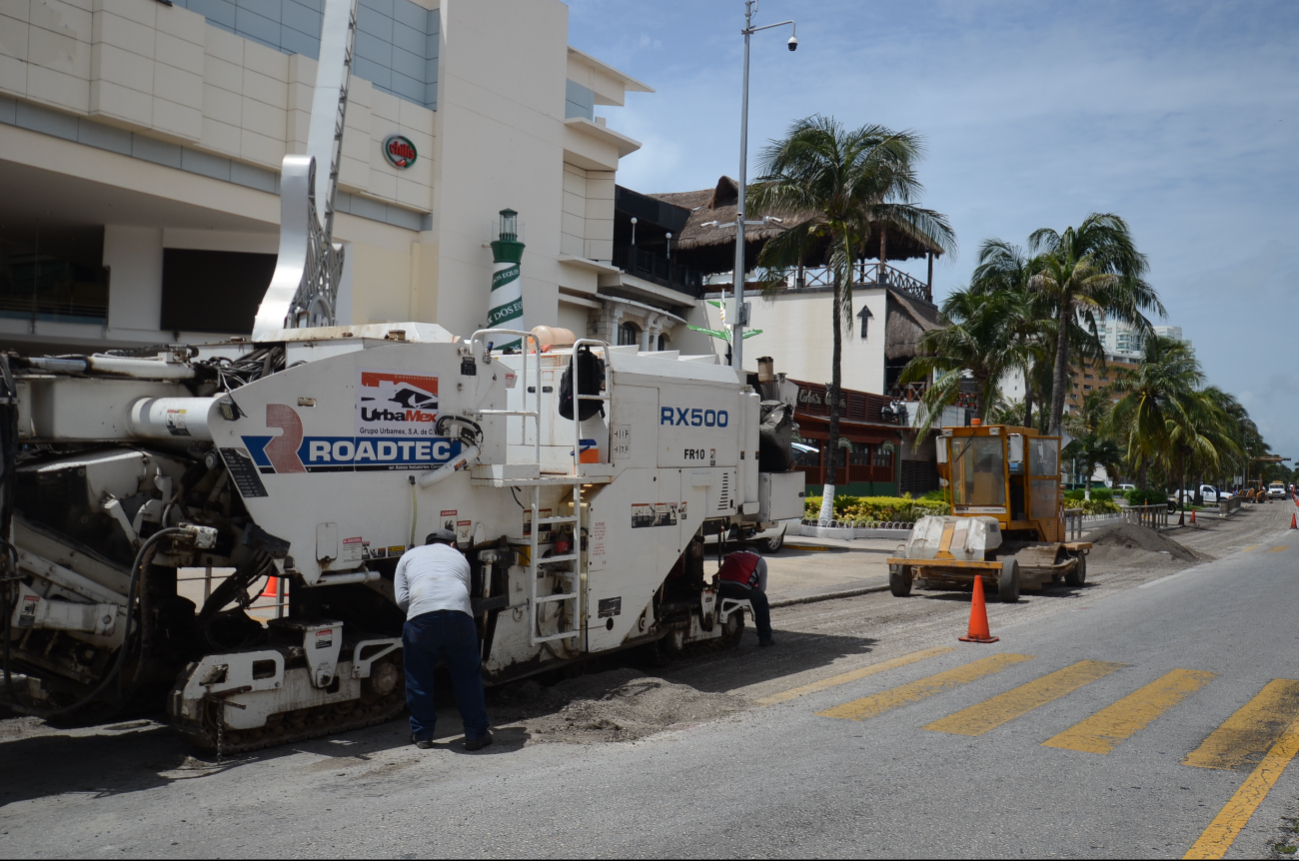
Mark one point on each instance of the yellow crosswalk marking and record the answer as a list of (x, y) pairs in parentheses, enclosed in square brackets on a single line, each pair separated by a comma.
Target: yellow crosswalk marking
[(1243, 739), (1250, 547), (877, 704), (992, 713), (1280, 549), (853, 675), (1105, 730), (1235, 815)]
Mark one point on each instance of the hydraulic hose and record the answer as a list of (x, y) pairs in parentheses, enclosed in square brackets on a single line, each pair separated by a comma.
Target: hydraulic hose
[(137, 569)]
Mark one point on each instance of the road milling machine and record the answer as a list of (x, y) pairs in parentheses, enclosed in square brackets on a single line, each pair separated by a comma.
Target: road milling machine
[(317, 454), (1007, 522), (320, 457)]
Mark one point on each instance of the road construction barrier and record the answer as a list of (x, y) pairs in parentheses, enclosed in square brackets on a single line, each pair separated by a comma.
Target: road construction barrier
[(1151, 516), (1073, 521)]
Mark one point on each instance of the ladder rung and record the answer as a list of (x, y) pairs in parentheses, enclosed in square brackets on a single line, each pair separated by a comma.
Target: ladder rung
[(567, 557), (546, 520), (566, 636), (589, 398), (546, 599)]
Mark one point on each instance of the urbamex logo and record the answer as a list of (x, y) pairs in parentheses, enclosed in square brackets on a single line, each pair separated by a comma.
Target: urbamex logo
[(391, 403)]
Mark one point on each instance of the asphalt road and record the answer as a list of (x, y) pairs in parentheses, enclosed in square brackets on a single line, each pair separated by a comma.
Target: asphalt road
[(1164, 700)]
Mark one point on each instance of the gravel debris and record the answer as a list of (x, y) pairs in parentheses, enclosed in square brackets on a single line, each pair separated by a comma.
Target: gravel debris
[(619, 705), (1127, 536)]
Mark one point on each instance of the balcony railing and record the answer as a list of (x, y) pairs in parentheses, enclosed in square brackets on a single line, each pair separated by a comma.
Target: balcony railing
[(866, 275), (658, 269)]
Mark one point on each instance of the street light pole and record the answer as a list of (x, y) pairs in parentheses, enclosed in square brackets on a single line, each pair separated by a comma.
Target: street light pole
[(737, 282), (737, 327)]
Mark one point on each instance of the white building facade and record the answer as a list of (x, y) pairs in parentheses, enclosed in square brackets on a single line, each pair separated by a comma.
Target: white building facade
[(140, 149)]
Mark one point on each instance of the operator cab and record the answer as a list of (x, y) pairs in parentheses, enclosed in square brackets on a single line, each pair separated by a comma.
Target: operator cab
[(1010, 473)]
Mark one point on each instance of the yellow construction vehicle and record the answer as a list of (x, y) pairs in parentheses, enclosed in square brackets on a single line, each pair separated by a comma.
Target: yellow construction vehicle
[(1007, 521)]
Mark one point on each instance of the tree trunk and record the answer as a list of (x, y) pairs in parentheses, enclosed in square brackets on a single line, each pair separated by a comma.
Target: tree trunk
[(1143, 475), (1181, 490), (1028, 395), (830, 457), (1060, 378)]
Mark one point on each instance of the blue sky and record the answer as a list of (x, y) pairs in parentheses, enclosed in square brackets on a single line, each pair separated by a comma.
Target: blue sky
[(1181, 117)]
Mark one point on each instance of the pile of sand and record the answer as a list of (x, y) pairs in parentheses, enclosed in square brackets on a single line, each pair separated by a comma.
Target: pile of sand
[(620, 705), (1127, 536)]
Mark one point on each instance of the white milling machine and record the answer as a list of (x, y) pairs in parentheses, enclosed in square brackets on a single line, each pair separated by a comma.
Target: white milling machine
[(319, 455)]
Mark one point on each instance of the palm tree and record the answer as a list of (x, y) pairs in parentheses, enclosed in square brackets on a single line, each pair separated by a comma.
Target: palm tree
[(1153, 398), (849, 178), (977, 339), (1094, 268), (1090, 445), (1004, 269)]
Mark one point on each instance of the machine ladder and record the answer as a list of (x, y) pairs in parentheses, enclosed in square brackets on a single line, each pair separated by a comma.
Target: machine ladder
[(570, 620)]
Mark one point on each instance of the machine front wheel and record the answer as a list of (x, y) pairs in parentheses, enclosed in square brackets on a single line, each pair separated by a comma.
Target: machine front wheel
[(899, 582), (1078, 576), (1008, 582)]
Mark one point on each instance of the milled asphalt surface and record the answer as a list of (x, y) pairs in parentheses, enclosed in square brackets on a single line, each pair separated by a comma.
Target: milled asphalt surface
[(773, 781)]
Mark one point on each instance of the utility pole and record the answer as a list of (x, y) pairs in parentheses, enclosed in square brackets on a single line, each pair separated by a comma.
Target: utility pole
[(741, 318)]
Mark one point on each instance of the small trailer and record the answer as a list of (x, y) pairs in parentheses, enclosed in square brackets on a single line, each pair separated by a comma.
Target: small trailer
[(1007, 521)]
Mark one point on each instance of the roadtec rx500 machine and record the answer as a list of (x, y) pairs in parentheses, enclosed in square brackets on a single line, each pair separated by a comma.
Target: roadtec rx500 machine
[(319, 456), (1007, 524)]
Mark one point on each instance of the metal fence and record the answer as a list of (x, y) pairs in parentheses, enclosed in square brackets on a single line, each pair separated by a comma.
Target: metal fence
[(1073, 520), (1152, 516)]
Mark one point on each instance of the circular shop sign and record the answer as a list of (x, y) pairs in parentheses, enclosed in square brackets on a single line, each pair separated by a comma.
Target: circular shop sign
[(399, 151)]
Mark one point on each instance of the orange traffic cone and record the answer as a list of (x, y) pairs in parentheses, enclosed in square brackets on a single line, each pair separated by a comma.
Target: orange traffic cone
[(1293, 524), (979, 632), (1192, 516), (271, 584)]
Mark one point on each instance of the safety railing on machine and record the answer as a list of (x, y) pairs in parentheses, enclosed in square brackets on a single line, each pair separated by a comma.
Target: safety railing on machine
[(535, 413)]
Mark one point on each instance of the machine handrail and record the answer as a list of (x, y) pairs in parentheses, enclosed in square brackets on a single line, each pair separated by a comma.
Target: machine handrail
[(536, 413), (578, 398)]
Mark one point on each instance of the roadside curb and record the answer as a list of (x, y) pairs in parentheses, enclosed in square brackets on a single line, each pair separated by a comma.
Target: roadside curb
[(828, 596)]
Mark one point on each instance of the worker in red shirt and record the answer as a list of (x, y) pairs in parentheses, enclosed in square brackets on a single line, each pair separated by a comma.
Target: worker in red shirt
[(743, 575)]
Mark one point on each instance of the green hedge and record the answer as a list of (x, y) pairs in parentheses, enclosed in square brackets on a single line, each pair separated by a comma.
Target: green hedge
[(1098, 493), (867, 509), (1136, 496)]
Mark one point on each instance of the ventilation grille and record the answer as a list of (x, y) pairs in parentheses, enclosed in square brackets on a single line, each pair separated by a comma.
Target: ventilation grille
[(724, 495)]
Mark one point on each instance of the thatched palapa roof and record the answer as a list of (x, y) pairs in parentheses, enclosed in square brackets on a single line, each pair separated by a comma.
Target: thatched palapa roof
[(712, 249), (908, 320)]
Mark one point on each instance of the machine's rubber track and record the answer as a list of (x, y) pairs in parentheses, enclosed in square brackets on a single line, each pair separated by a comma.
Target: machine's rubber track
[(311, 723)]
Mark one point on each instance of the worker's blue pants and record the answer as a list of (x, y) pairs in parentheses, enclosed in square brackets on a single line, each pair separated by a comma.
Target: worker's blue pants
[(447, 634)]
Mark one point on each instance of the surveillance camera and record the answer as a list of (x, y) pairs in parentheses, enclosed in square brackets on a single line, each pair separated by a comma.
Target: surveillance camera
[(793, 43)]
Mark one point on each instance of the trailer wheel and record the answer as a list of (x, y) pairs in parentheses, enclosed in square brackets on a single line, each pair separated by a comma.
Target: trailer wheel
[(1008, 582), (1078, 576), (899, 582)]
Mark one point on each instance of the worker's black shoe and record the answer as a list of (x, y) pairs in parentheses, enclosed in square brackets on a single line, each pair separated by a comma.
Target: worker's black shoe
[(422, 743), (478, 743), (766, 642)]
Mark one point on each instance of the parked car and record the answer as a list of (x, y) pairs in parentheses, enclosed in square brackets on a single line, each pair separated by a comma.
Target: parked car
[(1276, 490), (1123, 488)]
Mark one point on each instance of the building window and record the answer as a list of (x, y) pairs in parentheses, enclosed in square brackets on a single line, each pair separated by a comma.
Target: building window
[(1087, 388), (884, 455), (663, 343), (628, 335), (1087, 376)]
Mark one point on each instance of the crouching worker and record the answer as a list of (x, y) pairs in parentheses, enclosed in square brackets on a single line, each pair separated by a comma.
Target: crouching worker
[(432, 586), (744, 575)]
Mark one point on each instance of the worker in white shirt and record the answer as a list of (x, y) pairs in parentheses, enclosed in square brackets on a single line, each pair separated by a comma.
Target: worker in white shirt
[(432, 586)]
